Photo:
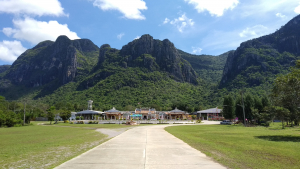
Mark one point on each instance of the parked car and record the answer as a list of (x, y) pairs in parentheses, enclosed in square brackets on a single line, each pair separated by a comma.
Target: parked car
[(228, 122)]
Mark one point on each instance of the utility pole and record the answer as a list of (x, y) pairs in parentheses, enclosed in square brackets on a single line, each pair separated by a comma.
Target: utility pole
[(243, 108), (24, 113)]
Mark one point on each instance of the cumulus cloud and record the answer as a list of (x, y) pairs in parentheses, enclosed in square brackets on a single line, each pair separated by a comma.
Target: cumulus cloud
[(32, 7), (10, 50), (279, 15), (181, 22), (35, 31), (166, 21), (214, 7), (254, 32), (137, 37), (120, 36), (131, 9), (297, 9), (196, 50)]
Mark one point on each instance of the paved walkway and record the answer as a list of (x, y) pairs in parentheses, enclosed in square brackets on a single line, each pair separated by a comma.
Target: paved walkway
[(142, 148)]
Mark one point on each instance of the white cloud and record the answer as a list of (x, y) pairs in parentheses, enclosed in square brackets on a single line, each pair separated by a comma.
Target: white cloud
[(260, 9), (32, 7), (10, 50), (35, 31), (297, 9), (181, 22), (137, 37), (279, 15), (166, 21), (131, 9), (214, 7), (196, 50), (120, 36), (254, 32)]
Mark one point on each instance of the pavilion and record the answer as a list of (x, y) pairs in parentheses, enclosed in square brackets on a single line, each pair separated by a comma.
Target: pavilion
[(210, 114), (176, 114), (89, 114), (113, 114)]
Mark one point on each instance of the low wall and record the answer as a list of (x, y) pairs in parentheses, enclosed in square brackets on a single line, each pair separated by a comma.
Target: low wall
[(139, 121)]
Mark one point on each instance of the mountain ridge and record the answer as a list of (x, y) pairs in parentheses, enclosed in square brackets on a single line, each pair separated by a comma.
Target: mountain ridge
[(263, 57)]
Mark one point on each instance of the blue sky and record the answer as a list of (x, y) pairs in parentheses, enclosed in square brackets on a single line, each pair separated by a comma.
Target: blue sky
[(194, 26)]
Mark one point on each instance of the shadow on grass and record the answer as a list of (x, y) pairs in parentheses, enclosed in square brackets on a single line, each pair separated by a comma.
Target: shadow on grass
[(280, 138)]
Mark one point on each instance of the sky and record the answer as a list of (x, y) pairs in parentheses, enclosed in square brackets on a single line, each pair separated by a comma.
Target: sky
[(198, 27)]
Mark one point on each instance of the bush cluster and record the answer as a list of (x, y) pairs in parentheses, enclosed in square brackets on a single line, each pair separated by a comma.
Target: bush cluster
[(93, 122), (9, 119)]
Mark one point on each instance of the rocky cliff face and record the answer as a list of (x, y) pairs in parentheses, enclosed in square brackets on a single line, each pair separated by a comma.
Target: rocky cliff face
[(50, 61), (256, 60), (4, 68), (163, 53)]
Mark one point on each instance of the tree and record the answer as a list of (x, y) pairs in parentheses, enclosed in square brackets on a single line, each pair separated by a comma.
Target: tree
[(65, 114), (249, 103), (51, 114), (265, 101), (280, 113), (286, 92), (257, 109), (228, 108), (239, 109)]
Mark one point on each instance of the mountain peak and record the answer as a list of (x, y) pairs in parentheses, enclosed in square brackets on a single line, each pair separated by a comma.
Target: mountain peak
[(62, 38)]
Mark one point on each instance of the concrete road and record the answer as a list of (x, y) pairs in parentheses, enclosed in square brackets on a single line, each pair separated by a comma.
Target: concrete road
[(143, 147)]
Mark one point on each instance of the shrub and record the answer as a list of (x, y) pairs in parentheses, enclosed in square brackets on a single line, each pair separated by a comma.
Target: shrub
[(17, 125), (77, 118), (90, 122), (96, 122), (80, 122), (66, 121), (198, 121), (71, 122)]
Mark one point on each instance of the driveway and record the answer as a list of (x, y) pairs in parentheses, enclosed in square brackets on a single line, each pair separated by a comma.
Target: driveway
[(143, 147)]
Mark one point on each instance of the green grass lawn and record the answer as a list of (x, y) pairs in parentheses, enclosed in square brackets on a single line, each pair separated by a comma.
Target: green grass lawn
[(241, 147), (46, 146)]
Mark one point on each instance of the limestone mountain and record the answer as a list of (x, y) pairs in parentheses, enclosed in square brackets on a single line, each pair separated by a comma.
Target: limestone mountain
[(71, 69), (152, 54), (57, 62), (257, 61), (4, 68), (158, 55), (209, 68)]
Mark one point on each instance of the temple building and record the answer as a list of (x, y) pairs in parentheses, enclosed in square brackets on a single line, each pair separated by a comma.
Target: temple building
[(89, 114), (176, 114), (146, 113), (210, 114), (113, 114)]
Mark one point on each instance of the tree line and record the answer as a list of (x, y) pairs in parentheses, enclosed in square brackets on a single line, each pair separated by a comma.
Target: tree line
[(282, 104)]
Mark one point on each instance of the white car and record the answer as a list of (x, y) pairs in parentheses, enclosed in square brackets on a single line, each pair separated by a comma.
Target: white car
[(226, 122)]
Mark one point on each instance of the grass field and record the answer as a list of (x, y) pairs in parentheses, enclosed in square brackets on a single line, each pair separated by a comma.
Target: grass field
[(240, 147), (46, 146)]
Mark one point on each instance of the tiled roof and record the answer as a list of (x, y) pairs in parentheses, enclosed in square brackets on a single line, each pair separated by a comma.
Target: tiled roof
[(176, 111), (212, 110), (113, 110), (89, 112)]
